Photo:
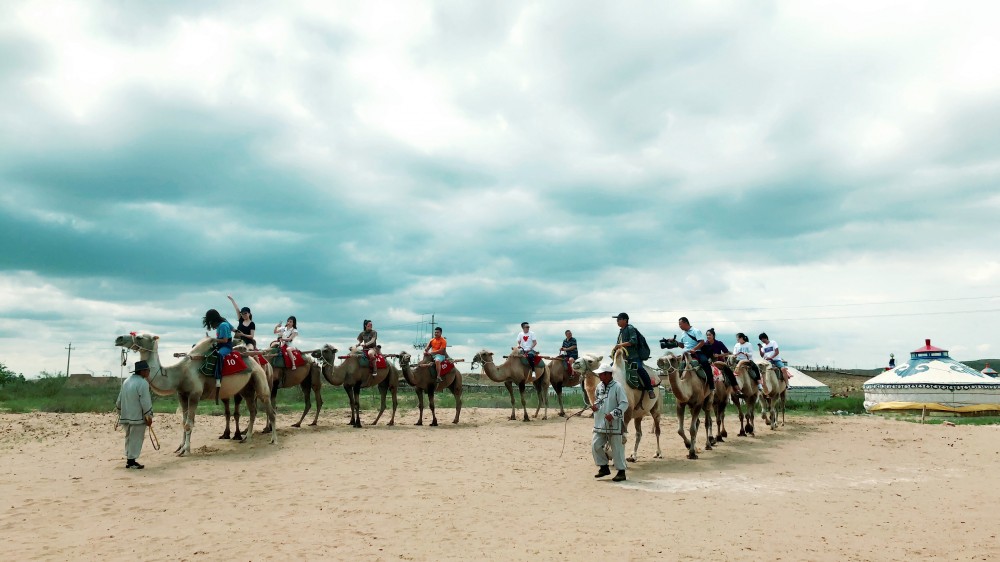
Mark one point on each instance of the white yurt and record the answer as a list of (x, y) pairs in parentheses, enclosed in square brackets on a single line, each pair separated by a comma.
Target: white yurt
[(803, 388), (932, 380)]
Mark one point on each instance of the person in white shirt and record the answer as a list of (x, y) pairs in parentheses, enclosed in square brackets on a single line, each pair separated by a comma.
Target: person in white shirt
[(286, 334), (527, 342), (769, 351), (743, 352)]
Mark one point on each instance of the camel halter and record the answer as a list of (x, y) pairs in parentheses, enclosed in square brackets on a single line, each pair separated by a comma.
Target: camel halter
[(135, 347)]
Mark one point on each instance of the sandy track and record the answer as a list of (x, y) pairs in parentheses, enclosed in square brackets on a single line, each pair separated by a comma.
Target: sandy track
[(827, 488)]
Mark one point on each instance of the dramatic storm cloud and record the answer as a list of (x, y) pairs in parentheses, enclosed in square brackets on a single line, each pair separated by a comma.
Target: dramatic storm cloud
[(825, 172)]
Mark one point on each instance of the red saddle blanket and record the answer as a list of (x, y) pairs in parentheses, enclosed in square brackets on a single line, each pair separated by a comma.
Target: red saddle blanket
[(447, 366), (654, 379), (260, 359), (233, 364), (538, 359), (288, 354), (716, 373)]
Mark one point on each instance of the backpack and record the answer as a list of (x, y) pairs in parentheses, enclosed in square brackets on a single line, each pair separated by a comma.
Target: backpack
[(644, 352)]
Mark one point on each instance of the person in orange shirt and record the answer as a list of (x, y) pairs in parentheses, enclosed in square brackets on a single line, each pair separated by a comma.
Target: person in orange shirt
[(437, 349)]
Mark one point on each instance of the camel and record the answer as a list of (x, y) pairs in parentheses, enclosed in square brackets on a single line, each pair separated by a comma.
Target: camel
[(563, 375), (248, 393), (691, 392), (424, 379), (185, 378), (304, 376), (774, 391), (746, 392), (720, 399), (510, 373), (353, 377), (585, 367), (639, 406)]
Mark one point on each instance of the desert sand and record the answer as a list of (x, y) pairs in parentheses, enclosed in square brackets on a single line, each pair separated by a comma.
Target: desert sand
[(820, 488)]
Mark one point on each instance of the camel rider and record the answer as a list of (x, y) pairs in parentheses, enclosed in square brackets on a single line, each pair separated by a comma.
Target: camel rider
[(718, 351), (770, 352), (743, 352), (135, 412), (694, 346), (223, 340), (628, 339), (569, 350), (609, 421), (368, 342), (437, 349), (527, 342)]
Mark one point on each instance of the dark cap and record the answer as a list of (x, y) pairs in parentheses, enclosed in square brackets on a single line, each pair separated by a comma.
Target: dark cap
[(140, 366), (245, 309), (621, 316)]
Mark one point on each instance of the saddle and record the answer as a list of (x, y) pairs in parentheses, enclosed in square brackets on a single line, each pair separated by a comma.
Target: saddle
[(283, 359), (233, 364), (634, 381), (380, 361), (538, 361), (447, 366)]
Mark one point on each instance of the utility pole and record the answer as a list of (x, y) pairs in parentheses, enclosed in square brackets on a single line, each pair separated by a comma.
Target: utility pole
[(69, 351)]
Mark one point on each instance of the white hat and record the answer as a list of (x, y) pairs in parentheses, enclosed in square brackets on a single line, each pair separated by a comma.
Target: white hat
[(605, 368)]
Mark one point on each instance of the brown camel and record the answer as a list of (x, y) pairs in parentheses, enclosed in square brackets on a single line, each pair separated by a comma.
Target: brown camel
[(424, 379), (745, 392), (510, 373), (185, 378), (720, 399), (586, 367), (639, 406), (304, 376), (691, 392), (353, 377), (774, 392), (563, 375)]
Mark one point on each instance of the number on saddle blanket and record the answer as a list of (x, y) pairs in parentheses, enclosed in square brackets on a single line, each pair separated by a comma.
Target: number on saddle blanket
[(232, 364)]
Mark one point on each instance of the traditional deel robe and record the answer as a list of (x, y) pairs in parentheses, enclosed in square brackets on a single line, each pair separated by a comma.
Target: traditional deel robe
[(611, 399), (134, 404)]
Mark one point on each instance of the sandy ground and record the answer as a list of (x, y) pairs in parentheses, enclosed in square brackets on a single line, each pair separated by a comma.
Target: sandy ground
[(821, 488)]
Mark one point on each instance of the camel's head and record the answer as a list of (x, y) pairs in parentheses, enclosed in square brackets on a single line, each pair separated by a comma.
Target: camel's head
[(137, 341), (668, 361), (482, 357), (327, 353), (404, 359), (587, 363), (732, 361)]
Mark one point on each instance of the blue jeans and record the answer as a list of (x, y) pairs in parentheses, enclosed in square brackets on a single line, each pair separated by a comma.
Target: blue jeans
[(223, 352)]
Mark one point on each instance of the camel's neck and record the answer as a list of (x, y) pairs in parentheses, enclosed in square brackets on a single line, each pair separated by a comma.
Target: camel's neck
[(675, 383), (164, 378), (408, 374), (494, 373)]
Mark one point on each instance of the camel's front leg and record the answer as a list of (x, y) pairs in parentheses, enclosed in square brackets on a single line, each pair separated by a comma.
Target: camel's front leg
[(318, 392), (395, 404), (236, 416), (680, 424), (562, 412), (637, 422), (430, 400), (656, 431), (707, 406), (695, 419), (739, 410), (381, 390), (510, 391), (252, 410), (182, 397), (307, 399), (226, 434), (192, 409), (458, 401), (420, 405), (524, 405)]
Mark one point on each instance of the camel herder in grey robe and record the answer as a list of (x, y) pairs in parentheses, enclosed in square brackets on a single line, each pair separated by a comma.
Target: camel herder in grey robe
[(609, 419), (135, 407)]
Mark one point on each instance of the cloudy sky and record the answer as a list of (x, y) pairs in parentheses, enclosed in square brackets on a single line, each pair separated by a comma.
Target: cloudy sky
[(824, 171)]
